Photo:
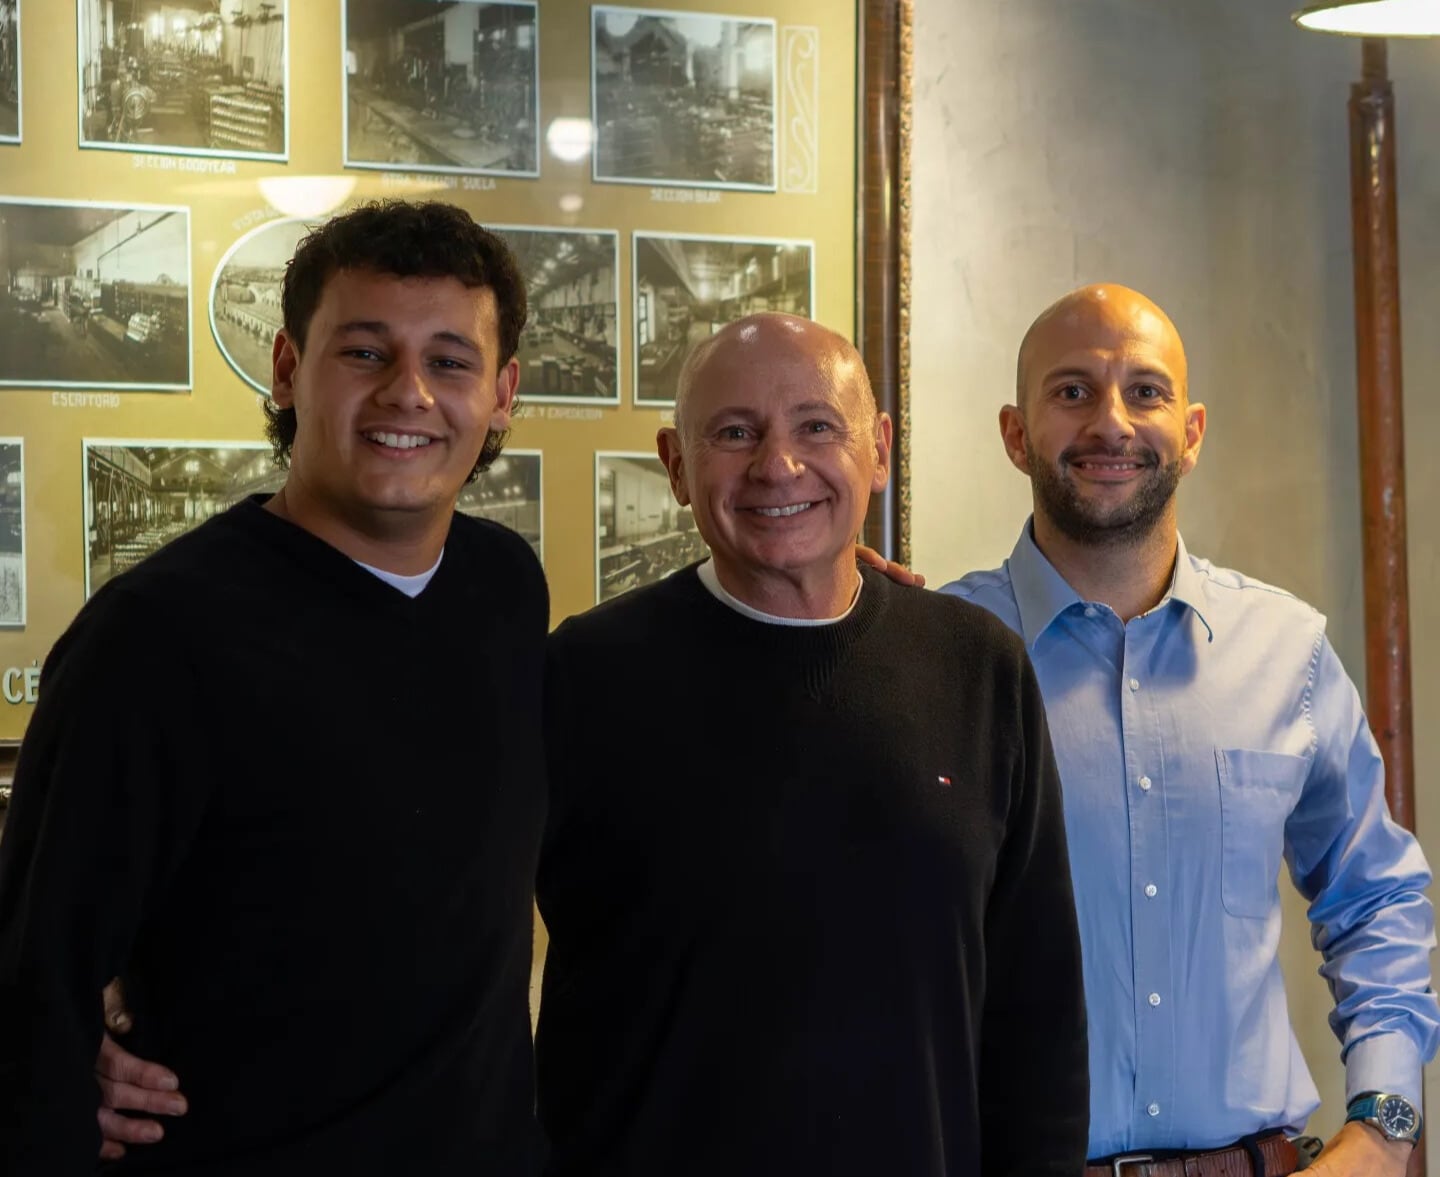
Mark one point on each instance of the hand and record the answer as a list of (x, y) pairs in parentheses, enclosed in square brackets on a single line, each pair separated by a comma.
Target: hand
[(896, 572), (132, 1084), (1358, 1150)]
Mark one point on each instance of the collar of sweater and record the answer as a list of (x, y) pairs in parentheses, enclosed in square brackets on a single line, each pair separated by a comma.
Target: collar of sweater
[(814, 651)]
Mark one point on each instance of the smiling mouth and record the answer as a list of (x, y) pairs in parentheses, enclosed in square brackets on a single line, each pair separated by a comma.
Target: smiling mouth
[(781, 512), (1114, 464), (397, 441)]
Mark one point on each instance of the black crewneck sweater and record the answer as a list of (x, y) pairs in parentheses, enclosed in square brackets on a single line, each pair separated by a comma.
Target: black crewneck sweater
[(299, 812), (808, 897)]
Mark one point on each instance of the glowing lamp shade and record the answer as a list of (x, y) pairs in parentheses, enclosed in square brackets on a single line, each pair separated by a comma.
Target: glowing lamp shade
[(1373, 18), (306, 196)]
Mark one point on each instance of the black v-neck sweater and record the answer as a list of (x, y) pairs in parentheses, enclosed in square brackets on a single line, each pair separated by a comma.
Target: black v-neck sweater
[(808, 897), (300, 812)]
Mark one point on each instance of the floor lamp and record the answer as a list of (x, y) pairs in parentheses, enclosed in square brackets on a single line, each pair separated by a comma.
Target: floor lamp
[(1378, 389)]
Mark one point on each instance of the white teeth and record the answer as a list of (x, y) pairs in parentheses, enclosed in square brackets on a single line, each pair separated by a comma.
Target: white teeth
[(780, 512), (398, 441)]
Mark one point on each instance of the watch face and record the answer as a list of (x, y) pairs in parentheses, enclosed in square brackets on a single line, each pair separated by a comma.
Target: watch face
[(1397, 1118)]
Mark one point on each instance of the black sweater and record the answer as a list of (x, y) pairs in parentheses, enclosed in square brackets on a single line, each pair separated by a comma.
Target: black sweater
[(808, 897), (300, 813)]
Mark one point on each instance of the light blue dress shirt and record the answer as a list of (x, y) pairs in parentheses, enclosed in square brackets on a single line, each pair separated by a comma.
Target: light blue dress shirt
[(1196, 745)]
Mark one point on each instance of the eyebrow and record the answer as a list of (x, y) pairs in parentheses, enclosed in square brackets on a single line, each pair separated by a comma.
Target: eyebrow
[(378, 327), (1157, 374), (736, 413)]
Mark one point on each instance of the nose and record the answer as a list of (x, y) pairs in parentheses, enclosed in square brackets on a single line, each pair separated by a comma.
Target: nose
[(775, 459), (405, 386), (1111, 418)]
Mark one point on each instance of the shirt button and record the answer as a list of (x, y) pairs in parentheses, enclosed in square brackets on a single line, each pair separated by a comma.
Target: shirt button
[(1154, 999), (1144, 783), (1134, 684), (1153, 1110), (1150, 890), (1089, 610)]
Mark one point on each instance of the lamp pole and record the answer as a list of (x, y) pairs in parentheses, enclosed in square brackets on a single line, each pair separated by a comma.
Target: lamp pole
[(1382, 436)]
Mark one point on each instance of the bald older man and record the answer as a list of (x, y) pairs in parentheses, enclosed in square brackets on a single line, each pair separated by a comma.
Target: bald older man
[(814, 917), (1204, 729)]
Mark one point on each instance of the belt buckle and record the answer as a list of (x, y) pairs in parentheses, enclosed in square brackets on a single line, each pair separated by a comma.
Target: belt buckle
[(1117, 1165)]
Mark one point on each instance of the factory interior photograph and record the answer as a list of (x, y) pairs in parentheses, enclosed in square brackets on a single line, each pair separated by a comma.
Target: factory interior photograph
[(684, 99), (12, 531), (567, 350), (687, 288), (139, 497), (509, 493), (94, 296), (641, 533), (245, 298), (442, 86), (193, 76), (9, 72)]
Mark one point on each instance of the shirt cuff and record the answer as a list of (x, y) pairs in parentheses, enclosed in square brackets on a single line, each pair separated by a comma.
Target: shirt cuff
[(1384, 1062)]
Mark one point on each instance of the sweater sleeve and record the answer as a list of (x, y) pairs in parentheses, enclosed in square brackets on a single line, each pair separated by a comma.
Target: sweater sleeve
[(1034, 1085), (108, 792)]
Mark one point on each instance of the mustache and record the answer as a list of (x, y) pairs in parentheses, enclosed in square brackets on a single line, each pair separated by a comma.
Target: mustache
[(1143, 455)]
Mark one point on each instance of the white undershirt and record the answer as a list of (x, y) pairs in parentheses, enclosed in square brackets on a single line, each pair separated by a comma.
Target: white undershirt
[(711, 581), (411, 586)]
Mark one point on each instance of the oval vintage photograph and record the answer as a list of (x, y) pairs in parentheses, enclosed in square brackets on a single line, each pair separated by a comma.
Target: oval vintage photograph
[(245, 297)]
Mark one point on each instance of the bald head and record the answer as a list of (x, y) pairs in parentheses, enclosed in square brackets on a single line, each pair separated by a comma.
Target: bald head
[(757, 341), (1100, 316)]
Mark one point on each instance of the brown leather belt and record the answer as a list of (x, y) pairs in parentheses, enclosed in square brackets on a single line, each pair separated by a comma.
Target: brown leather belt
[(1280, 1156)]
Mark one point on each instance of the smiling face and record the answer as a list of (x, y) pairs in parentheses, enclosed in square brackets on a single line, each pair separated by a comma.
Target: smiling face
[(1104, 426), (394, 393), (779, 450)]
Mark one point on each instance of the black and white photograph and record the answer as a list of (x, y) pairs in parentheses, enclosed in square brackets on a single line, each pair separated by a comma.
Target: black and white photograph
[(245, 297), (510, 493), (94, 295), (139, 495), (185, 77), (441, 86), (687, 288), (568, 348), (9, 71), (683, 98), (641, 533), (12, 532)]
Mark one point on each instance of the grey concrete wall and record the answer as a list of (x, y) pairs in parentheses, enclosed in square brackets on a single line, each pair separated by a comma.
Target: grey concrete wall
[(1196, 152)]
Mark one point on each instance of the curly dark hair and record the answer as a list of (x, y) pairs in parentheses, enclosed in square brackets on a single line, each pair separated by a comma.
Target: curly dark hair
[(427, 239)]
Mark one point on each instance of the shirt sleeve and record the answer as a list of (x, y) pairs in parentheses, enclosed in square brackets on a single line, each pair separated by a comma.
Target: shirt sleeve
[(1365, 878), (107, 795), (1034, 1084)]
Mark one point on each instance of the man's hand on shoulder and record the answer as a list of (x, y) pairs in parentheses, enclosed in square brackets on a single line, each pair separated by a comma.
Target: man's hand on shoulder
[(1358, 1150), (130, 1084), (896, 572)]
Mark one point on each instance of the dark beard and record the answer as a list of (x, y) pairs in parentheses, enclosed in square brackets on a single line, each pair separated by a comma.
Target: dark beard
[(1085, 523)]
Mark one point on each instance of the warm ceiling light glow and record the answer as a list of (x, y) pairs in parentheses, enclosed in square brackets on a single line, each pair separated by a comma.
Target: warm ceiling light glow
[(569, 139), (306, 196), (1373, 18)]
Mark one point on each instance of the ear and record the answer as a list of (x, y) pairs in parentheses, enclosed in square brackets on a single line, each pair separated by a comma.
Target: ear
[(507, 386), (284, 359), (1012, 433), (884, 439), (667, 443), (1194, 435)]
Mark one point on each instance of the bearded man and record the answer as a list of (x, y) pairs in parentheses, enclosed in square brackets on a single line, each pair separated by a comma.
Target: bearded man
[(1204, 730)]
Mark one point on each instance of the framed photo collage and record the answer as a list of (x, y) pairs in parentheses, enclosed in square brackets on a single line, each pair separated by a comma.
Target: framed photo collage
[(657, 172)]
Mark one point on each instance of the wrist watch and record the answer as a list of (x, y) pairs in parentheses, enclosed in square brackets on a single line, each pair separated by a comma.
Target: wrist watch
[(1394, 1115)]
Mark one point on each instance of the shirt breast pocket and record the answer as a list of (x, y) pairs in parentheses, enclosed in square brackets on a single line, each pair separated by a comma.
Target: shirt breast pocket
[(1257, 792)]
